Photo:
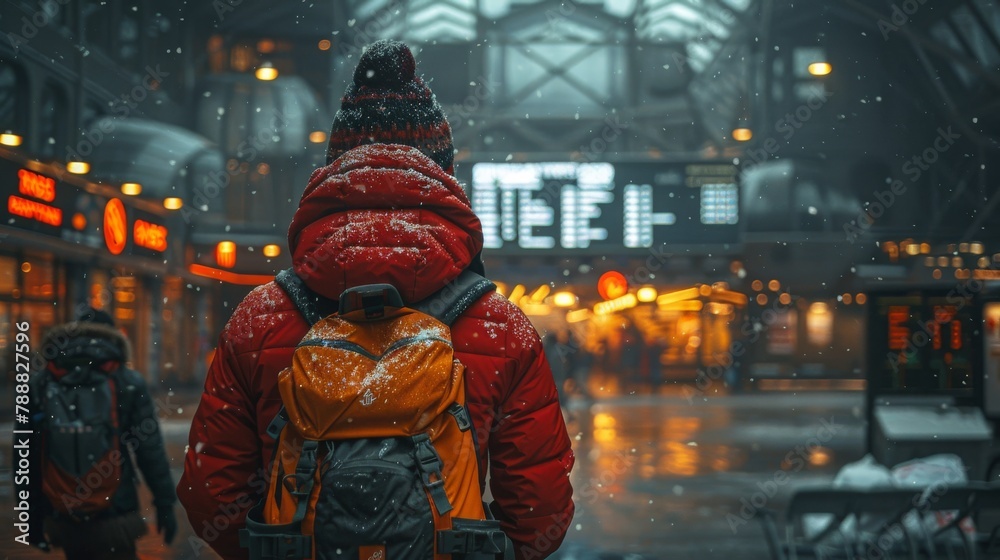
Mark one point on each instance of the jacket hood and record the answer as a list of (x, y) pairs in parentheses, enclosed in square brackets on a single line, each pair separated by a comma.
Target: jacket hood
[(63, 337), (383, 213)]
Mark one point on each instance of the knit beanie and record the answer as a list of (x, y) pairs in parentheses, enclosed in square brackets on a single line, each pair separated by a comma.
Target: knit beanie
[(387, 103)]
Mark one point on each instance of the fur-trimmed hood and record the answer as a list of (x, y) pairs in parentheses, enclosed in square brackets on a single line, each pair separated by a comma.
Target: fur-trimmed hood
[(76, 334)]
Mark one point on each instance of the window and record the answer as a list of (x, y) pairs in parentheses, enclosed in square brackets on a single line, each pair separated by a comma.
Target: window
[(53, 121), (13, 87)]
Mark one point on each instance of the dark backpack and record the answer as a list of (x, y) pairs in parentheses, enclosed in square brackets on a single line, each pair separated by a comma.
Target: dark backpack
[(82, 458)]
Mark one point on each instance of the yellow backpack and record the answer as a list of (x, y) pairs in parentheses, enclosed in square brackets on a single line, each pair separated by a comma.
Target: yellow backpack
[(376, 455)]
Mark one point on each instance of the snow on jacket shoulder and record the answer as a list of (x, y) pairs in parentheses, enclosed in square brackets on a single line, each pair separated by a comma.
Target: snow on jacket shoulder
[(383, 213)]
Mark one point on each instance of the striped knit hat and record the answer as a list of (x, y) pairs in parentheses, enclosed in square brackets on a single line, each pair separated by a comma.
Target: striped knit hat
[(388, 104)]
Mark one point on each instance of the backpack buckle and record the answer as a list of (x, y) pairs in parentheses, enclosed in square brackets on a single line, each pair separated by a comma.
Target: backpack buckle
[(429, 463), (461, 415), (372, 298), (469, 536)]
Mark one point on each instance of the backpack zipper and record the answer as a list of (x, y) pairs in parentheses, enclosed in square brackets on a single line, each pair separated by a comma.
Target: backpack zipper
[(358, 349)]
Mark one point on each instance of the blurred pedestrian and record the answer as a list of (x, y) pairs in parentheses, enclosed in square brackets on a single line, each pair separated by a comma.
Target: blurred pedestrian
[(90, 414), (385, 209)]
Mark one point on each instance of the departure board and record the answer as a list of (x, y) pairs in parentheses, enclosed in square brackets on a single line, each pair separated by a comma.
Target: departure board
[(600, 207)]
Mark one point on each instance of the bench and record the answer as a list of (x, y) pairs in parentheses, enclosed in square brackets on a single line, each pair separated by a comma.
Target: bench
[(879, 530)]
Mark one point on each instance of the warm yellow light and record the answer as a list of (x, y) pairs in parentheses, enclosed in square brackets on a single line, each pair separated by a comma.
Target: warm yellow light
[(757, 285), (957, 262), (983, 262), (942, 261), (976, 248), (173, 203), (79, 221), (687, 305), (716, 308), (501, 287), (272, 250), (317, 137), (819, 456), (925, 248), (963, 247), (819, 307), (820, 68), (705, 290), (603, 421), (564, 299), (847, 299), (742, 134), (622, 303), (913, 249), (860, 299), (785, 298), (936, 274), (78, 167), (774, 285), (679, 295), (324, 44), (577, 315), (537, 309), (266, 72), (646, 294), (516, 293), (8, 139), (540, 293), (131, 189), (761, 299), (26, 267)]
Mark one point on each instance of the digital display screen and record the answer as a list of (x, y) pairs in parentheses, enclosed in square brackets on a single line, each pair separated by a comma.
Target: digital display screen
[(921, 343), (597, 207)]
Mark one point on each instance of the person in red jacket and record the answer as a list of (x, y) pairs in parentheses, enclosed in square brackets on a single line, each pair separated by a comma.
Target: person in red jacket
[(385, 209)]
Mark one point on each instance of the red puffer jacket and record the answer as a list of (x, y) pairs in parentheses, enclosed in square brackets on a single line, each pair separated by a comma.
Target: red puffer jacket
[(383, 213)]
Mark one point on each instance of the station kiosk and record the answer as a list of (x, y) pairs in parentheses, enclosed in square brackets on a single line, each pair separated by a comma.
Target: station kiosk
[(933, 375)]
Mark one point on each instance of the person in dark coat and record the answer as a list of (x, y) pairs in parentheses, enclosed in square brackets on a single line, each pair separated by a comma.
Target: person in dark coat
[(111, 532), (385, 209)]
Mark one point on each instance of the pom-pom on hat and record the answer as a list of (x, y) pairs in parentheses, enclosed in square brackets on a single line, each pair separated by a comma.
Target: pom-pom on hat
[(387, 103)]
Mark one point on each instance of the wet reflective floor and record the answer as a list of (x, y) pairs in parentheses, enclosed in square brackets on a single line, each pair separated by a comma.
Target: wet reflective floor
[(657, 476)]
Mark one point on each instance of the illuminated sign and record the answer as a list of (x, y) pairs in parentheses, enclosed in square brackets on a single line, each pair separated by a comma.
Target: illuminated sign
[(66, 211), (115, 226), (920, 341), (150, 236), (986, 274), (612, 285), (32, 210), (36, 186), (225, 254), (600, 207), (39, 187)]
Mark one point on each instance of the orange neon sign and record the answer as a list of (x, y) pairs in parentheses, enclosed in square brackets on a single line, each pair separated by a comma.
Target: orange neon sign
[(115, 226), (150, 236), (36, 186), (34, 211)]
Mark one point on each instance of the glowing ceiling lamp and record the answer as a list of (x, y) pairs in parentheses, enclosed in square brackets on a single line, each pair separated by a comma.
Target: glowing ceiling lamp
[(820, 68), (266, 72)]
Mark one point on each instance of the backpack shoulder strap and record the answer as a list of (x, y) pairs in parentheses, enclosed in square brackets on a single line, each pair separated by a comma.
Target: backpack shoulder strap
[(307, 302), (448, 303)]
